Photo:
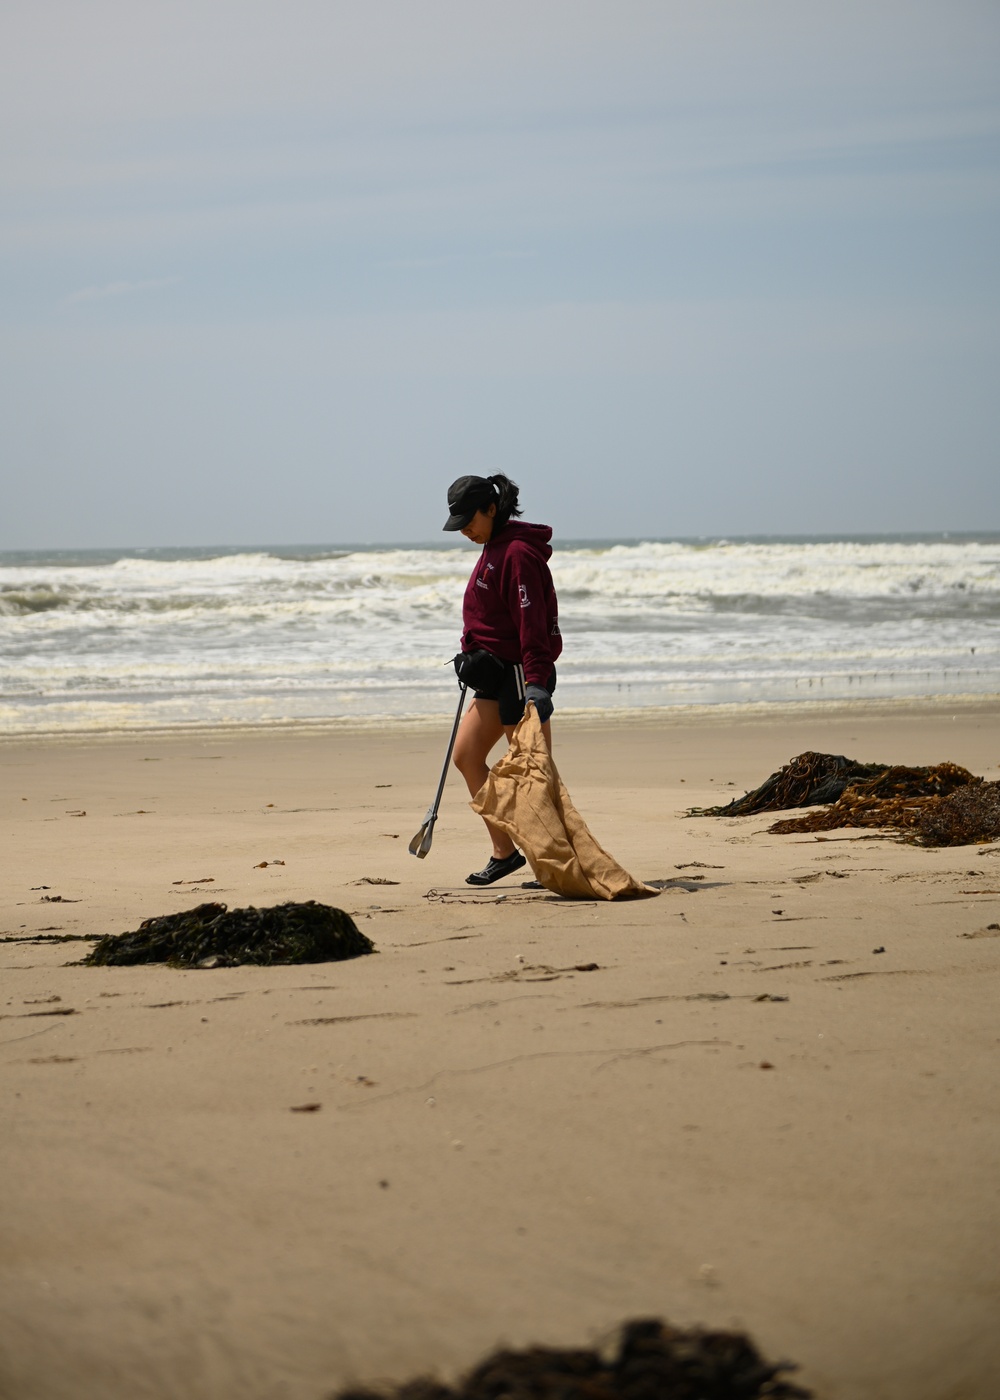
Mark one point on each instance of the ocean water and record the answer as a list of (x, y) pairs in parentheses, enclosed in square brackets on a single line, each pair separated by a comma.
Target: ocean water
[(97, 640)]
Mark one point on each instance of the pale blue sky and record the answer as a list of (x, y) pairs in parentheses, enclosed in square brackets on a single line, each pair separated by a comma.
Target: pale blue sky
[(278, 271)]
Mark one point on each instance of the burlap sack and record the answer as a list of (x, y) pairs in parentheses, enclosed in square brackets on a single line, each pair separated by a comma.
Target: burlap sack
[(524, 795)]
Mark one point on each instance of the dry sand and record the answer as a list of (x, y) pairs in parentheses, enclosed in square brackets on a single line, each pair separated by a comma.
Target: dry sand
[(746, 1116)]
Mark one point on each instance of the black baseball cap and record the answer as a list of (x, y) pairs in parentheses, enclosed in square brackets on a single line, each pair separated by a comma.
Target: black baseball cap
[(465, 496)]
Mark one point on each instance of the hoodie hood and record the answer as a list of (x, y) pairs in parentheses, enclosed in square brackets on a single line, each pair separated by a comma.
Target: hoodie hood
[(536, 536)]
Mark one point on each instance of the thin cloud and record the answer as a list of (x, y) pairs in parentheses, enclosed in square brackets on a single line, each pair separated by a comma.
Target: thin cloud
[(120, 289), (450, 259)]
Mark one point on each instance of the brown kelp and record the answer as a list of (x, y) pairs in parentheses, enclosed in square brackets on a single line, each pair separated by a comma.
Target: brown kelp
[(965, 816), (212, 935), (942, 804), (807, 781), (970, 814), (652, 1361)]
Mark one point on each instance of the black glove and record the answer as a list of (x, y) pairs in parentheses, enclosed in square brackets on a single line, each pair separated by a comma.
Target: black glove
[(541, 699)]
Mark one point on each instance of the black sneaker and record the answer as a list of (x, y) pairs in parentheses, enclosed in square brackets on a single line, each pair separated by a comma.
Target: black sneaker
[(496, 869)]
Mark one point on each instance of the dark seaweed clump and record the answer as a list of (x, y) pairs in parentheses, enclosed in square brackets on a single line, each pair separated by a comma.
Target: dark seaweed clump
[(806, 781), (212, 935), (653, 1361)]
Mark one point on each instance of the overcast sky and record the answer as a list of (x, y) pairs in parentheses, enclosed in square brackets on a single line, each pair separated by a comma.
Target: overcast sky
[(277, 271)]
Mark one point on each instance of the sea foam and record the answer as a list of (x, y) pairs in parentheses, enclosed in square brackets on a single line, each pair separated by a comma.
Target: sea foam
[(231, 637)]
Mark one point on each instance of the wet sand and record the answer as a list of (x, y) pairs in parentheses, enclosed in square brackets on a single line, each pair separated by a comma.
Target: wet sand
[(745, 1116)]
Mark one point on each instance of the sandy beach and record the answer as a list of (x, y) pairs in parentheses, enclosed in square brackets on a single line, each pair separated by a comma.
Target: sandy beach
[(772, 1105)]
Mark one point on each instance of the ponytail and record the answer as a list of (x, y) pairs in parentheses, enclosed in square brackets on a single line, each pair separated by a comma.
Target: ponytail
[(506, 492)]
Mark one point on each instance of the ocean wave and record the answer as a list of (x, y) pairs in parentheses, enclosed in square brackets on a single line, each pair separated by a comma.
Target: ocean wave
[(648, 623), (645, 573), (615, 584)]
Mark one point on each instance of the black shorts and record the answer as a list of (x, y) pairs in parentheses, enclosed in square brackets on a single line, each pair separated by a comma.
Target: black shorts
[(509, 691)]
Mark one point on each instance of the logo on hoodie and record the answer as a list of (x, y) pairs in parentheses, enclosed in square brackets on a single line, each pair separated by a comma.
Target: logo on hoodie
[(522, 593)]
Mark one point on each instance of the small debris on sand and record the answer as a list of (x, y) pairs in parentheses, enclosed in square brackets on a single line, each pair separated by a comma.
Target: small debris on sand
[(990, 931)]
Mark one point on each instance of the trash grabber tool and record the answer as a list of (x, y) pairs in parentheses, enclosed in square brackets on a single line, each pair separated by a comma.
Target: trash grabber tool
[(421, 843)]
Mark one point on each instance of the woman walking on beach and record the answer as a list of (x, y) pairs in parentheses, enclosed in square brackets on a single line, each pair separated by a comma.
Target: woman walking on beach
[(509, 613)]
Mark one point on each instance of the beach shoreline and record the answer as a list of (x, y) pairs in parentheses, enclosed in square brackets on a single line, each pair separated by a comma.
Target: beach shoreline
[(639, 716), (771, 1104)]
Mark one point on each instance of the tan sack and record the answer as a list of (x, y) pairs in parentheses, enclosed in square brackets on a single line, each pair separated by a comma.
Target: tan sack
[(524, 796)]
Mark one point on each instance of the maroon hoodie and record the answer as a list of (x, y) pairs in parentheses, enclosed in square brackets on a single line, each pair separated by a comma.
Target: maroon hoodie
[(510, 604)]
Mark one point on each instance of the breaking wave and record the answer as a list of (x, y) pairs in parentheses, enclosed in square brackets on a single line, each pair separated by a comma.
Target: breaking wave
[(232, 637)]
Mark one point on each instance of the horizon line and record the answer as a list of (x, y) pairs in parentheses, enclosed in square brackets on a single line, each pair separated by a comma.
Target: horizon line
[(570, 542)]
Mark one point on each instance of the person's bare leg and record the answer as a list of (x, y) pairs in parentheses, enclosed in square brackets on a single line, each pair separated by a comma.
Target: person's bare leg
[(479, 731)]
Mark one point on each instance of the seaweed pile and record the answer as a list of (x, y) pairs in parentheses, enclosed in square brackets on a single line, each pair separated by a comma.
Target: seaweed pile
[(809, 780), (211, 935), (940, 805), (653, 1361), (969, 815), (964, 816)]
